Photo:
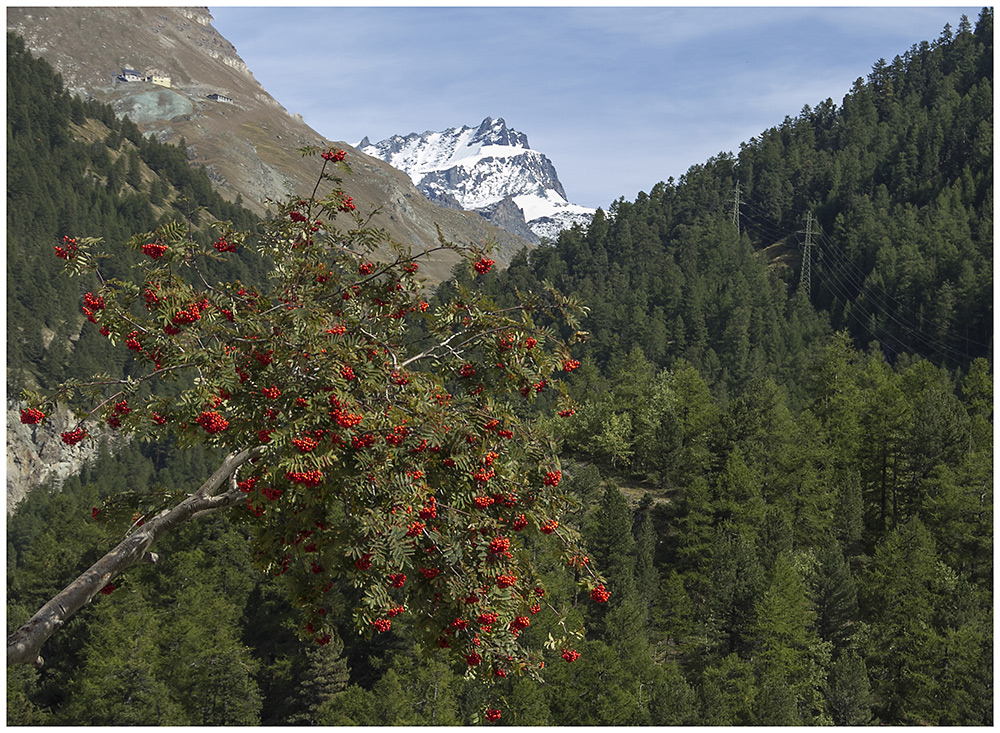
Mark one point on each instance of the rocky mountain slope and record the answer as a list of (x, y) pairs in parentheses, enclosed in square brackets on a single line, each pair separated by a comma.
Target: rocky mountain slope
[(489, 169), (247, 144)]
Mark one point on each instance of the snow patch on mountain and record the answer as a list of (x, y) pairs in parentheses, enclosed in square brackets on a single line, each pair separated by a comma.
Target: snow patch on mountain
[(479, 169)]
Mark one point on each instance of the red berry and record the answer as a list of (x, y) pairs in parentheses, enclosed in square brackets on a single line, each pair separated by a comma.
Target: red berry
[(492, 714), (483, 265)]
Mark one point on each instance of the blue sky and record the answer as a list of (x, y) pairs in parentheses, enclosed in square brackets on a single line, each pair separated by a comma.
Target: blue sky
[(617, 98)]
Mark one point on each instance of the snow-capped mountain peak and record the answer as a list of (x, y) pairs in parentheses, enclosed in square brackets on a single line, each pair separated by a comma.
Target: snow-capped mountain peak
[(490, 169)]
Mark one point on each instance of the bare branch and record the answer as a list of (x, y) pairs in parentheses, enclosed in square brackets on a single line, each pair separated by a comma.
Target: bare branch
[(24, 644)]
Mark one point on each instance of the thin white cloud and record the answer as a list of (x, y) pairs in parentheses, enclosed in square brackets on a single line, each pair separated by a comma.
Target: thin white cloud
[(654, 89)]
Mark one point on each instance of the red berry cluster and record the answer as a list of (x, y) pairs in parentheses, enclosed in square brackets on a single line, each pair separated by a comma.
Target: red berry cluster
[(467, 370), (429, 510), (120, 408), (348, 419), (132, 341), (487, 618), (505, 581), (396, 580), (73, 436), (499, 546), (549, 527), (31, 416), (334, 156), (360, 442), (520, 623), (415, 529), (212, 422), (69, 251), (473, 659), (483, 475), (492, 714), (92, 303), (600, 594), (366, 268), (571, 365), (306, 478), (530, 343), (271, 392), (187, 315), (364, 562), (520, 522), (382, 624), (150, 296), (570, 655), (483, 265), (430, 573), (552, 478), (154, 250), (305, 444), (223, 245), (347, 373), (411, 267)]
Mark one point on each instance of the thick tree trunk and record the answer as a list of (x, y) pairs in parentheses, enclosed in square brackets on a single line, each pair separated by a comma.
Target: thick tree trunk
[(24, 644)]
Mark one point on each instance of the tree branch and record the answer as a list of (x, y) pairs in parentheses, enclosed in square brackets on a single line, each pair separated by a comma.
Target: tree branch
[(24, 644)]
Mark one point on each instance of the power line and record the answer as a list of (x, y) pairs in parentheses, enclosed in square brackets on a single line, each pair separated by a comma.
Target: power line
[(840, 282)]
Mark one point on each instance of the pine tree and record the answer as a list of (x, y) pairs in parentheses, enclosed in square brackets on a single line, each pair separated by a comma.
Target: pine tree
[(848, 692)]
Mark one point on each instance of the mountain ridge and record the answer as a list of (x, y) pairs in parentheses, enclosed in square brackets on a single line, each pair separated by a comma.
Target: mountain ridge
[(478, 168)]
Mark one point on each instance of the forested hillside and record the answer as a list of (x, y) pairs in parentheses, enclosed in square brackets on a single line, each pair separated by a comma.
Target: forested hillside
[(73, 167), (788, 484)]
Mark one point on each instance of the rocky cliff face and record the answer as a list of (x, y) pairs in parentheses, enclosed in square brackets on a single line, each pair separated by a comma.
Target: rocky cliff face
[(36, 453), (247, 145)]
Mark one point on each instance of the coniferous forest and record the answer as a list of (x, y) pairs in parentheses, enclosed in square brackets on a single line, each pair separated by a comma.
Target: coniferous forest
[(787, 480)]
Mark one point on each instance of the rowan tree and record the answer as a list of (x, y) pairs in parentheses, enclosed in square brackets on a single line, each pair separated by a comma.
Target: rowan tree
[(368, 436)]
